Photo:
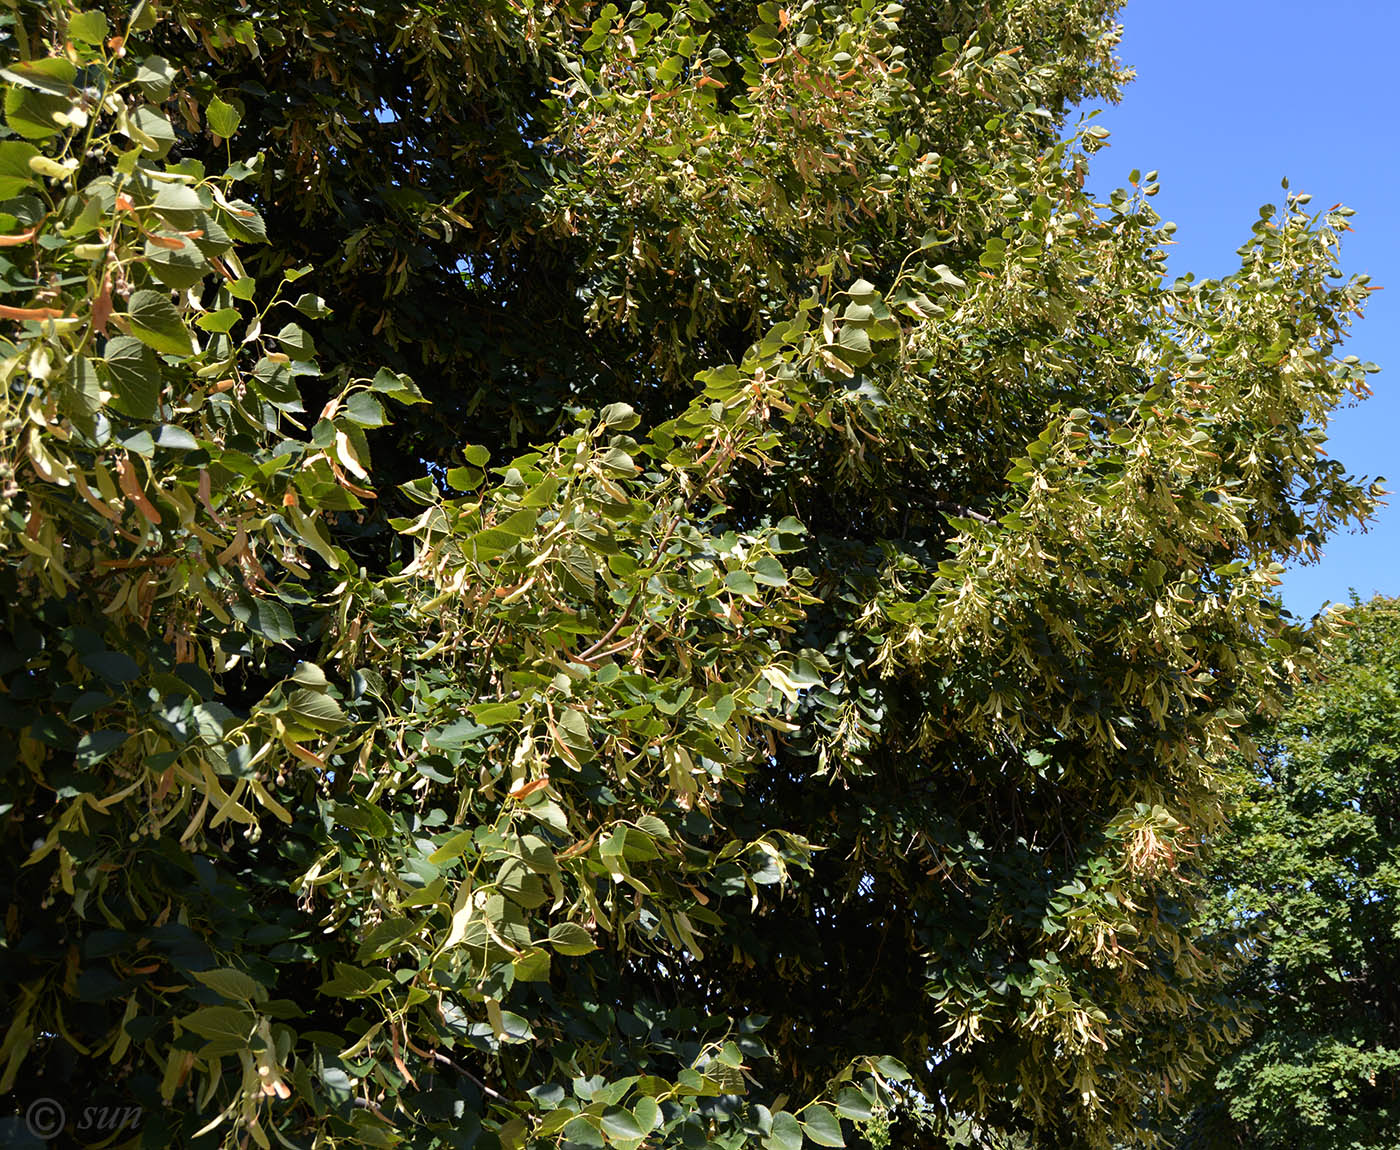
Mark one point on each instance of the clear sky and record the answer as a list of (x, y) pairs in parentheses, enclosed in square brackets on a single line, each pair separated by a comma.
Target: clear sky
[(1231, 97)]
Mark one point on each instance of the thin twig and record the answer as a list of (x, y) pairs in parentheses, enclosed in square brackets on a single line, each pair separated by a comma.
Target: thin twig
[(606, 638), (438, 1056), (622, 620), (961, 511)]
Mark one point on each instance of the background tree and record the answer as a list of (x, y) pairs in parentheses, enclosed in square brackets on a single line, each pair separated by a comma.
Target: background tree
[(815, 721), (1308, 876)]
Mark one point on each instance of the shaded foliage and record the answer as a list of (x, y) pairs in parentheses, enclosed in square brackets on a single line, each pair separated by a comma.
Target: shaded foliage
[(1307, 877)]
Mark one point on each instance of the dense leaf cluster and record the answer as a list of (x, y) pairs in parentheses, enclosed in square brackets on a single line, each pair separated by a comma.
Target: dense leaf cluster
[(790, 701), (1306, 879)]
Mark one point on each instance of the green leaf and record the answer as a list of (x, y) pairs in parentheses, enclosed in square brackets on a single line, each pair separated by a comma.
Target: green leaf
[(532, 966), (352, 982), (464, 478), (15, 173), (769, 572), (135, 375), (571, 939), (521, 884), (88, 27), (946, 276), (510, 1027), (94, 746), (495, 714), (32, 113), (139, 442), (209, 237), (619, 462), (453, 849), (300, 346), (854, 1105), (174, 438), (245, 222), (787, 1133), (455, 736), (219, 321), (312, 306), (272, 621), (494, 541), (396, 384), (648, 1114), (82, 394), (179, 205), (651, 825), (854, 340), (893, 1069), (233, 984), (741, 582), (573, 730), (315, 710), (178, 268), (114, 666), (363, 816), (156, 323), (543, 493), (220, 1022), (581, 1133), (717, 713), (365, 410), (242, 288), (151, 129), (214, 721), (578, 564), (223, 118), (309, 674), (822, 1126), (619, 417), (274, 382), (620, 1126), (385, 938), (51, 75), (154, 75)]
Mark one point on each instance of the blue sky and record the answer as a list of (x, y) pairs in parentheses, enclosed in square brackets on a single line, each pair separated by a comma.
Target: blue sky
[(1231, 97)]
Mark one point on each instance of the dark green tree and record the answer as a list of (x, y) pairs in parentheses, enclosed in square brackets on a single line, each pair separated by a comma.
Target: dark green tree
[(1308, 878)]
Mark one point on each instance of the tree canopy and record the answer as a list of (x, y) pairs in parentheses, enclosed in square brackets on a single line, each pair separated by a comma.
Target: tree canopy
[(1306, 879), (594, 578)]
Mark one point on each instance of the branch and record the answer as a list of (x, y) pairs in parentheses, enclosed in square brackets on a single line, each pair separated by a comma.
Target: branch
[(438, 1056), (592, 652), (596, 650), (959, 510)]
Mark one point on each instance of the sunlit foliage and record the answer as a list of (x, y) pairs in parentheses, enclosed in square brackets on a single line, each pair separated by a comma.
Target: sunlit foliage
[(660, 577)]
